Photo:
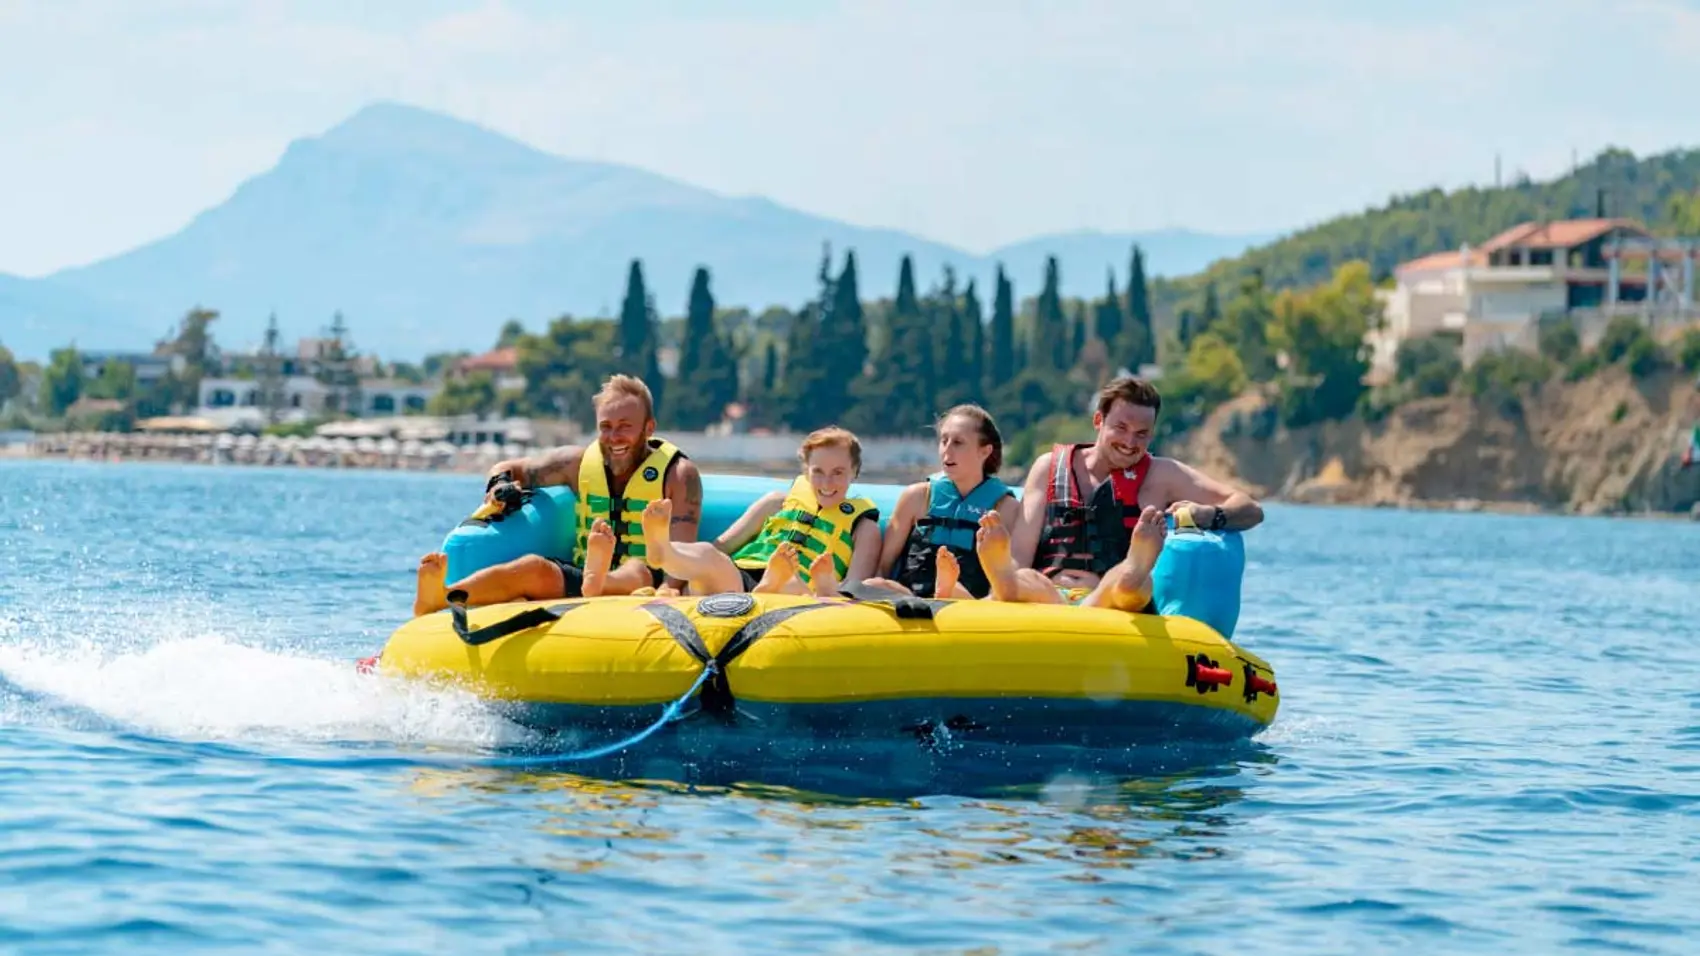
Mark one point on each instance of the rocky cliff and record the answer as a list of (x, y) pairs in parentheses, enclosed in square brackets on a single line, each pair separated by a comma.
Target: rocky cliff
[(1607, 445)]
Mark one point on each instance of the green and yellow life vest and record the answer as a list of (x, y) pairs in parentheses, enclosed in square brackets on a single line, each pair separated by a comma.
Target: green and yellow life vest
[(813, 531), (624, 513)]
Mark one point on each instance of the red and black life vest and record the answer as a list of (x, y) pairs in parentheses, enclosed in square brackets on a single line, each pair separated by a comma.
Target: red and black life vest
[(1087, 536)]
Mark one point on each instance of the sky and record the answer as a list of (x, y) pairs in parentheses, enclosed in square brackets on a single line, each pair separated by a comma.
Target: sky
[(974, 122)]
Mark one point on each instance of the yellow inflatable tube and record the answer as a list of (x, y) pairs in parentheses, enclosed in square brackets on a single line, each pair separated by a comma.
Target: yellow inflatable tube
[(985, 669)]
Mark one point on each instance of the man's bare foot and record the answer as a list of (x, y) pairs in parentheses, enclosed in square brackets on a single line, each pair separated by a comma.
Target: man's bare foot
[(598, 554), (658, 533), (1147, 541), (948, 570), (781, 570), (431, 594), (823, 576), (1133, 584), (991, 543)]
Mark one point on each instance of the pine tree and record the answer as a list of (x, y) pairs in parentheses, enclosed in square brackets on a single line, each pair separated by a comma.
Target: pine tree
[(1141, 345), (1003, 359), (1051, 339)]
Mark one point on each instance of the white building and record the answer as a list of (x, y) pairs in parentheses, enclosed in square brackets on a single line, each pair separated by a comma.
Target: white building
[(305, 397), (149, 367), (1495, 296)]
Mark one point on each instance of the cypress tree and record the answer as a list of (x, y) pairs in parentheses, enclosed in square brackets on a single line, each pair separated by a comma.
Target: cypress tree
[(1050, 327), (796, 405), (708, 373), (1141, 346), (1109, 319), (1003, 362), (898, 396), (1212, 311), (974, 374), (843, 341), (1078, 337), (953, 360), (809, 356), (640, 334)]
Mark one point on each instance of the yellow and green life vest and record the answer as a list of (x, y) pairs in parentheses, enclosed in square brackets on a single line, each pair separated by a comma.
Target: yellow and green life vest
[(801, 521), (624, 513)]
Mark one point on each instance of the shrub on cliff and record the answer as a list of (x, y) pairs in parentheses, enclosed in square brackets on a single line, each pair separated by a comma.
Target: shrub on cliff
[(1503, 377), (1428, 367), (1627, 341), (1559, 341), (1688, 350)]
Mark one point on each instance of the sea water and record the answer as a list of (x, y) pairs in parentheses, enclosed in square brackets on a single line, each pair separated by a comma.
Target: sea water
[(1489, 741)]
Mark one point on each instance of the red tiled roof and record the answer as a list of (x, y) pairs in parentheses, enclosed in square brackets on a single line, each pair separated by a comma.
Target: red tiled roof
[(1435, 261), (1562, 234), (500, 360)]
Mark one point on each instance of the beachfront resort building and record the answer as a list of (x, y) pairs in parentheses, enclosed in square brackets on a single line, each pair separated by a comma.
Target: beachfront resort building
[(1496, 295), (302, 396)]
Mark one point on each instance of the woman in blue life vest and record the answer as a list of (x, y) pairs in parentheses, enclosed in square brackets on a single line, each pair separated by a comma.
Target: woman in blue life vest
[(804, 540), (929, 542)]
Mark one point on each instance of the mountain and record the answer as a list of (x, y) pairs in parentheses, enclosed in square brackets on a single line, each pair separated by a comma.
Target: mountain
[(40, 315), (427, 233)]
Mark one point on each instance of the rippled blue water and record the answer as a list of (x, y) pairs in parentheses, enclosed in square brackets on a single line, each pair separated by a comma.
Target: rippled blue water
[(1489, 742)]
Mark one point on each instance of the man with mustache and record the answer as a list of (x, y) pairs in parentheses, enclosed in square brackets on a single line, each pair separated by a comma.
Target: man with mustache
[(613, 479), (1080, 538)]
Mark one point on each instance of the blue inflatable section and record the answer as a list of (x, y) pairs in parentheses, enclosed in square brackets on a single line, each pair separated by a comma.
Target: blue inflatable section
[(1198, 575)]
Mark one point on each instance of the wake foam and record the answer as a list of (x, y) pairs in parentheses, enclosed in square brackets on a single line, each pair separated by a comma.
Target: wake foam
[(210, 688)]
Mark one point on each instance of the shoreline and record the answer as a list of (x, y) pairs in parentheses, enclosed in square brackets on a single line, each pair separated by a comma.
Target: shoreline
[(474, 463)]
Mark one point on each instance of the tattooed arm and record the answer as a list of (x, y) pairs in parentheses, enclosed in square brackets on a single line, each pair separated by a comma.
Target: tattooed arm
[(557, 466), (684, 488)]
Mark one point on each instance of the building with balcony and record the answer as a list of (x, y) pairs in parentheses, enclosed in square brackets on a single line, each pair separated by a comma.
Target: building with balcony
[(1496, 295), (302, 397)]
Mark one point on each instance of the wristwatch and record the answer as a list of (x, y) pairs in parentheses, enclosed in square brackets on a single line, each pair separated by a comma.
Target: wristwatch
[(1219, 520)]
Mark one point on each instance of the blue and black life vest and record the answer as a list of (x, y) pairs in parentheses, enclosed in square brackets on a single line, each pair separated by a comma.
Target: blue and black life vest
[(950, 522)]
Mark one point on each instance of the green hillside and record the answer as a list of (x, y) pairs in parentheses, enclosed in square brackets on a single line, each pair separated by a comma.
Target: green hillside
[(1434, 220)]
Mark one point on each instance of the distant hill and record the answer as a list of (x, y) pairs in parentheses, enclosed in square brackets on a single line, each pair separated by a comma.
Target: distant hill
[(1433, 220), (428, 232), (39, 315)]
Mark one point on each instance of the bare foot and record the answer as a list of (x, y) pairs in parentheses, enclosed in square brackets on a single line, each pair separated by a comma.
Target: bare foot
[(948, 570), (991, 543), (1133, 585), (823, 576), (658, 533), (781, 570), (431, 595), (598, 554), (1147, 541)]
